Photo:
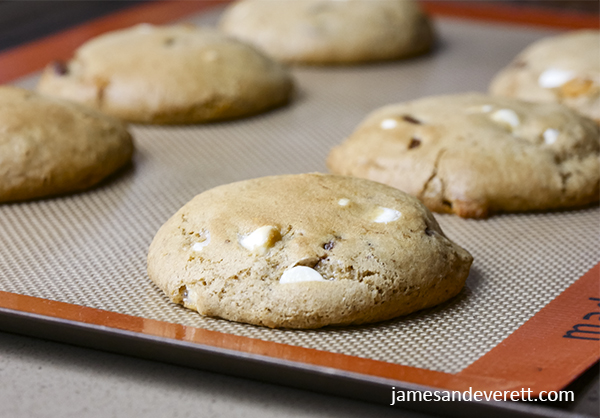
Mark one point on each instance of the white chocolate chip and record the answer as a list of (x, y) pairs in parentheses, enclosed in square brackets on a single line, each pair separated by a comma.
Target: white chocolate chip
[(261, 239), (301, 274), (198, 246), (189, 297), (506, 117), (385, 215), (554, 77), (389, 123), (344, 202), (550, 136)]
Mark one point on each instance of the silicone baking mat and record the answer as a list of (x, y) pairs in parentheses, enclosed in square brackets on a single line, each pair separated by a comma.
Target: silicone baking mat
[(89, 249)]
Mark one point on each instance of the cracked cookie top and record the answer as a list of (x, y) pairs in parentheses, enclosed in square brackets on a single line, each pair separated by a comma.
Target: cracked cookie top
[(473, 154), (50, 146), (327, 32), (169, 75), (306, 251), (561, 69)]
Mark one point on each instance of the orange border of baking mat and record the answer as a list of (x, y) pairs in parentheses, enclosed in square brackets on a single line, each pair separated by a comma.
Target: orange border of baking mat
[(544, 354), (495, 11), (547, 353)]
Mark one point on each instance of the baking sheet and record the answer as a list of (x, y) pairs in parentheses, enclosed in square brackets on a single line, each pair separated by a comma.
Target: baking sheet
[(89, 249)]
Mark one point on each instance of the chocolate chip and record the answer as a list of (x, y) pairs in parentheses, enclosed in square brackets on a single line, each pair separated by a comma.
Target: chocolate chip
[(60, 67), (328, 246), (414, 143), (410, 119)]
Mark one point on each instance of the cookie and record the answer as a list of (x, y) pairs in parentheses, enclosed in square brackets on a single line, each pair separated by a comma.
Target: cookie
[(169, 75), (306, 251), (50, 146), (473, 154), (562, 69), (331, 32)]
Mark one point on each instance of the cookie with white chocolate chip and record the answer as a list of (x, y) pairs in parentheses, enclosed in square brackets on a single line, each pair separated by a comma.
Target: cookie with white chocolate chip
[(306, 251), (327, 32), (473, 154), (51, 146), (169, 75), (561, 69)]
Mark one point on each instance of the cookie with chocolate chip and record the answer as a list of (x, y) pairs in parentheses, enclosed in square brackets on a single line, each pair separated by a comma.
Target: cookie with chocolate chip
[(561, 69), (50, 146), (473, 154), (169, 75), (326, 32), (306, 251)]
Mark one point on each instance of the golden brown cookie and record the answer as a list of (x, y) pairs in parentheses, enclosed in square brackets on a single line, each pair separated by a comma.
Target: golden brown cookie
[(50, 146), (331, 31), (472, 154), (306, 251), (169, 75), (561, 69)]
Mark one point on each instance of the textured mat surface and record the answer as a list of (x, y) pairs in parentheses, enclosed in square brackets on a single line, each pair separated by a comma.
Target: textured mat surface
[(90, 249)]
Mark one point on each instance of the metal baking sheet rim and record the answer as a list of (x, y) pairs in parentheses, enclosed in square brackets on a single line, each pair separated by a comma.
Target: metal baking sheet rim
[(295, 374)]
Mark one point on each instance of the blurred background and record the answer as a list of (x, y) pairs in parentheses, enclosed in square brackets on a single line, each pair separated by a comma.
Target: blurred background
[(24, 21)]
